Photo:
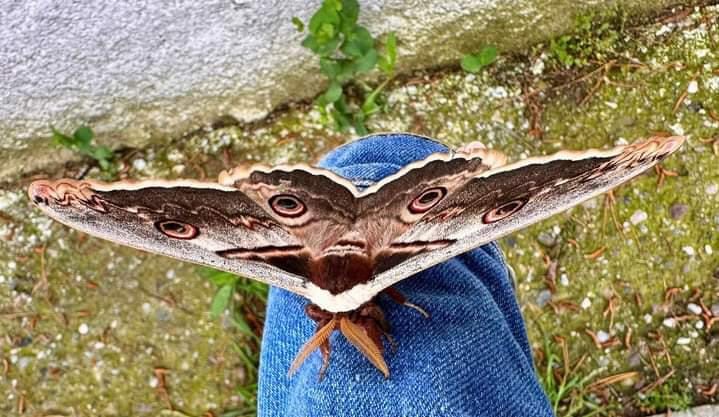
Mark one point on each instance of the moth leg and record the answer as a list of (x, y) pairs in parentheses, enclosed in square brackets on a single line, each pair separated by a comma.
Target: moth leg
[(399, 298), (317, 314), (374, 313), (374, 331)]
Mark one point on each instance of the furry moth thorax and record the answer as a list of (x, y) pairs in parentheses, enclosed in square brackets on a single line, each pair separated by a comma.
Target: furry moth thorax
[(314, 233)]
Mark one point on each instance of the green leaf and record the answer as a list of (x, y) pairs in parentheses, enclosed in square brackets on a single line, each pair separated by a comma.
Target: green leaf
[(334, 4), (358, 43), (370, 107), (61, 139), (346, 70), (349, 15), (325, 15), (324, 48), (101, 153), (340, 115), (487, 55), (471, 63), (299, 25), (221, 300), (359, 124), (333, 93), (83, 134), (387, 61), (474, 63), (367, 62), (559, 49), (219, 278), (325, 33), (330, 68)]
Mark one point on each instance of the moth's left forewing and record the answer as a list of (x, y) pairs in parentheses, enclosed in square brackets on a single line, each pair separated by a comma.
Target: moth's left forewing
[(187, 220), (502, 200)]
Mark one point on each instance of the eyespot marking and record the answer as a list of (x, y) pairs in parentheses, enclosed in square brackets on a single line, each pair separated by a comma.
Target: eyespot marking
[(428, 199), (287, 205), (177, 229), (503, 211)]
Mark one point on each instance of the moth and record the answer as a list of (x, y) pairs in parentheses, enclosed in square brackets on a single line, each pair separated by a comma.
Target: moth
[(314, 233)]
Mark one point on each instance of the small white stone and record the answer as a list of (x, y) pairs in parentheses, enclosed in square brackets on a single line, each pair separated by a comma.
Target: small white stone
[(683, 341), (647, 318), (701, 53), (146, 308), (677, 129), (602, 336), (564, 280), (689, 250), (670, 322), (638, 217), (611, 104), (699, 325), (538, 66), (711, 189), (83, 329), (712, 83), (694, 309), (153, 382), (708, 249), (139, 164), (586, 303), (693, 87)]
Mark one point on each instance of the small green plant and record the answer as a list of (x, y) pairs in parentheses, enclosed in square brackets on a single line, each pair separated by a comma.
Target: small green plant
[(476, 62), (245, 299), (565, 386), (665, 397), (81, 142), (347, 50), (251, 292), (596, 37)]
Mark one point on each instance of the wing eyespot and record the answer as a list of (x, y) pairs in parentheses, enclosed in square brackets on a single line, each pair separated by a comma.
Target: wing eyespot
[(287, 205), (503, 211), (177, 229), (428, 199)]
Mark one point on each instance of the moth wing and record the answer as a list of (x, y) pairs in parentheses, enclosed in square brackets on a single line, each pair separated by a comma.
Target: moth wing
[(486, 205), (187, 220)]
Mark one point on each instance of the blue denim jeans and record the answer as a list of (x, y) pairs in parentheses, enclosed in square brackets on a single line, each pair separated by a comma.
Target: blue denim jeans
[(470, 358)]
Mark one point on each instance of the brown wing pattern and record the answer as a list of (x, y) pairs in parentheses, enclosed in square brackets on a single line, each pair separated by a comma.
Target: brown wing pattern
[(292, 226), (499, 201), (182, 219)]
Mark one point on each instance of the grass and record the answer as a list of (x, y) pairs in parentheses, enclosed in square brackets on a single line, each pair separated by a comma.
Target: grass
[(244, 300), (566, 384)]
